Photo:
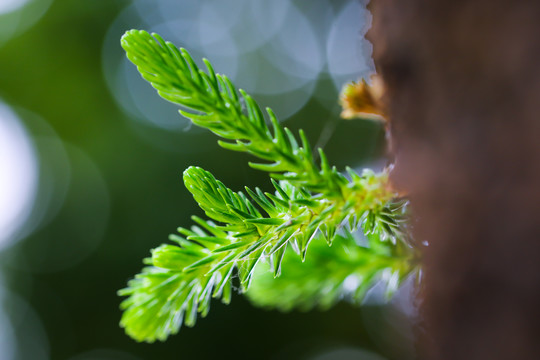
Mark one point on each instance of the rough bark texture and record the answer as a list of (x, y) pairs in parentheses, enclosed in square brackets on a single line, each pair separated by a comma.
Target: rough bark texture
[(463, 98)]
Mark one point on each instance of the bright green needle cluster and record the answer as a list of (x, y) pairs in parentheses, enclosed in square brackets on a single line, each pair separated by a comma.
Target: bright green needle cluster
[(309, 202), (346, 272)]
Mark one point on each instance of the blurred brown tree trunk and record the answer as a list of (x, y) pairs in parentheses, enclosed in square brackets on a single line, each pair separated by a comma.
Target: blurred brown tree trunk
[(463, 98)]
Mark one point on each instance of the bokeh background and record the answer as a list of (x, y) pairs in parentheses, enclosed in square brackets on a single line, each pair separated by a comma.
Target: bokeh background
[(91, 162)]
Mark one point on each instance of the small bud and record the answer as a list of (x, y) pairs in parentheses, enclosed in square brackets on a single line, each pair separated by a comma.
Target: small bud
[(361, 100)]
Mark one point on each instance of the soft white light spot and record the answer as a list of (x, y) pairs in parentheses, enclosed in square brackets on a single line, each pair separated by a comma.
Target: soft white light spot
[(347, 51), (85, 223), (18, 15), (266, 18), (7, 6), (351, 283), (297, 54), (18, 175)]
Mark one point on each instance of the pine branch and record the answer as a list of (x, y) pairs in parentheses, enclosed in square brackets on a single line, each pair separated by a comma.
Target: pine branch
[(212, 102), (292, 215), (184, 275), (308, 201)]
